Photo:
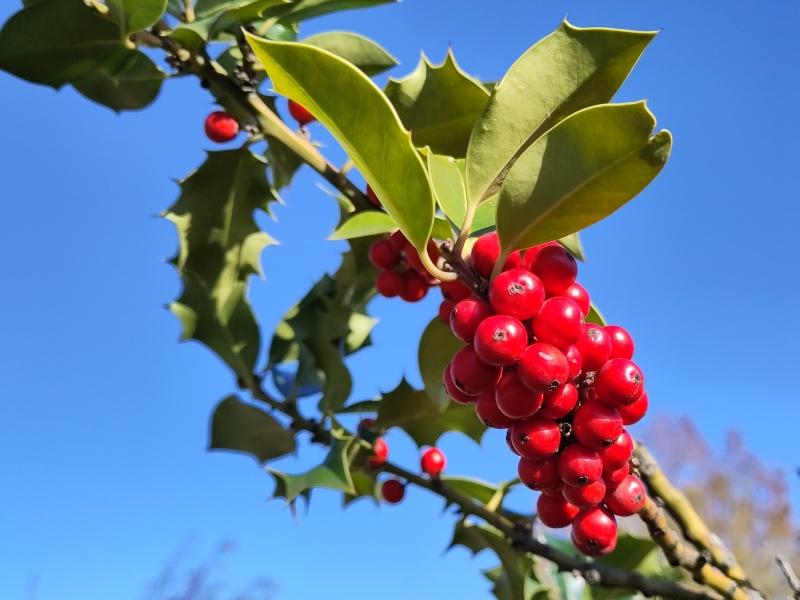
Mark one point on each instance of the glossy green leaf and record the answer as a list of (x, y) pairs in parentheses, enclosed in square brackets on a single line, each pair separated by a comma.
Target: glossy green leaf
[(441, 229), (427, 430), (485, 216), (127, 80), (572, 243), (436, 348), (581, 171), (482, 491), (363, 52), (405, 404), (361, 119), (568, 70), (302, 10), (214, 17), (439, 104), (54, 42), (362, 224), (595, 316), (448, 186), (136, 15), (245, 428)]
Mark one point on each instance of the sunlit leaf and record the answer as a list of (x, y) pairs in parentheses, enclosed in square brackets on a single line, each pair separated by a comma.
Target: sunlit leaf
[(362, 224), (363, 52), (136, 15)]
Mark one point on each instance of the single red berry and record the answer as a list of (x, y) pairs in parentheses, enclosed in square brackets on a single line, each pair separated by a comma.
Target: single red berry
[(471, 375), (579, 465), (559, 322), (627, 498), (621, 342), (433, 462), (620, 382), (485, 253), (558, 404), (455, 291), (491, 416), (539, 474), (300, 113), (398, 240), (516, 293), (452, 390), (466, 317), (543, 368), (383, 254), (594, 346), (221, 127), (585, 496), (390, 283), (555, 491), (532, 252), (508, 440), (380, 452), (536, 437), (596, 425), (415, 287), (633, 413), (393, 491), (617, 454), (515, 399), (445, 308), (372, 197), (413, 259), (613, 478), (575, 361), (555, 512), (594, 531), (578, 293), (556, 268), (500, 340)]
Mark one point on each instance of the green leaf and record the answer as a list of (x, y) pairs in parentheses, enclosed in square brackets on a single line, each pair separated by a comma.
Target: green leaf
[(361, 119), (128, 80), (485, 216), (572, 243), (441, 229), (595, 316), (283, 163), (362, 224), (583, 170), (333, 474), (54, 42), (404, 404), (436, 346), (136, 15), (308, 9), (338, 382), (482, 491), (364, 53), (439, 104), (448, 186), (244, 428), (214, 17), (427, 430), (568, 70)]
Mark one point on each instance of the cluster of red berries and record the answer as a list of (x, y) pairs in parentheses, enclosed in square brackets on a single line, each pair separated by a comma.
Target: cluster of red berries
[(563, 388), (400, 271)]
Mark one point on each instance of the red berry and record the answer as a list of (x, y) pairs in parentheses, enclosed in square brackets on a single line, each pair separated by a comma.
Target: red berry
[(383, 254), (532, 252), (393, 491), (466, 317), (516, 293), (471, 375), (575, 361), (390, 283), (594, 346), (380, 452), (578, 293), (543, 368), (485, 253), (500, 340), (556, 268), (558, 404), (455, 291), (621, 342), (415, 287), (372, 197), (594, 531), (536, 437), (597, 425), (432, 462), (633, 413), (300, 113), (559, 322), (221, 127), (491, 416), (445, 308), (555, 512), (628, 498), (365, 427), (539, 474), (585, 496), (617, 454), (452, 390), (613, 478), (515, 399), (398, 240), (579, 465), (620, 382), (413, 259)]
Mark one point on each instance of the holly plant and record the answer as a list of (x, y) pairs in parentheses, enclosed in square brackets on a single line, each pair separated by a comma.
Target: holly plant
[(474, 190)]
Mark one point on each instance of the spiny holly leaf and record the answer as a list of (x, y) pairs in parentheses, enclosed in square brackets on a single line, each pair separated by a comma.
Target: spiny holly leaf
[(127, 80), (426, 431), (136, 15), (404, 404), (503, 589), (302, 10), (364, 485), (361, 119), (581, 171), (363, 224), (283, 163), (436, 347), (245, 428), (363, 52), (568, 70), (439, 104)]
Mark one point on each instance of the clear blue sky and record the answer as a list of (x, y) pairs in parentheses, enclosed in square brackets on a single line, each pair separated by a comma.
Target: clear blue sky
[(104, 416)]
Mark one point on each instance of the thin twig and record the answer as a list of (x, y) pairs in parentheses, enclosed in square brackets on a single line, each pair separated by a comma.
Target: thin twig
[(791, 576)]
